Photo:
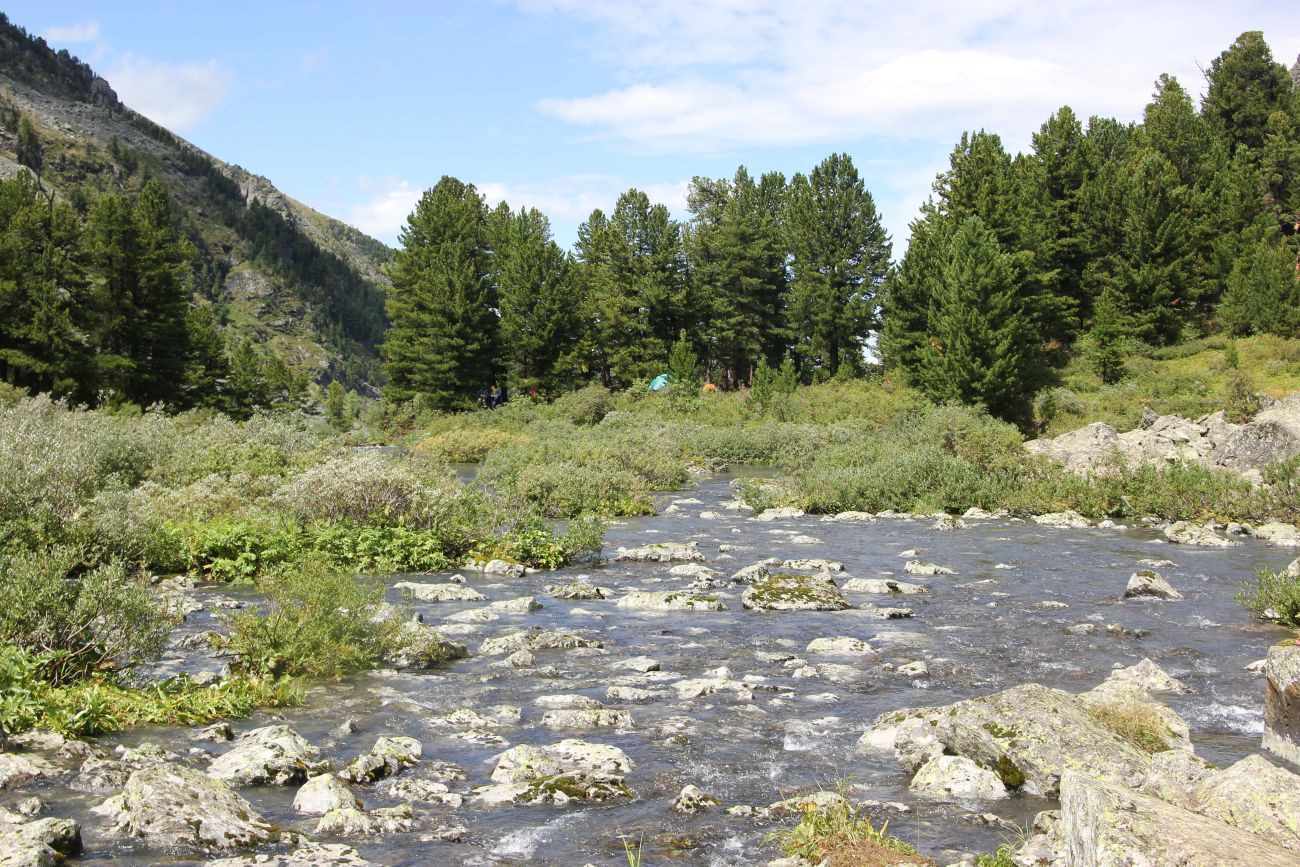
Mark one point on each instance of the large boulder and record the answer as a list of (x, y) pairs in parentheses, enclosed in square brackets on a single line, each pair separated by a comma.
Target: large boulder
[(571, 770), (1027, 735), (1104, 824), (438, 592), (1187, 533), (169, 805), (1083, 450), (1254, 795), (273, 755), (959, 778), (1282, 701), (789, 592), (1282, 535), (671, 600), (1149, 583), (39, 843), (323, 793)]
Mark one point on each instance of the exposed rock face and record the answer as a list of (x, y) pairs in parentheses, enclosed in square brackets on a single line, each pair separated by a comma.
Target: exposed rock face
[(957, 777), (1273, 435), (661, 552), (1147, 582), (1282, 702), (169, 805), (1256, 796), (273, 755), (788, 592), (1104, 824), (1026, 735), (672, 600), (571, 770)]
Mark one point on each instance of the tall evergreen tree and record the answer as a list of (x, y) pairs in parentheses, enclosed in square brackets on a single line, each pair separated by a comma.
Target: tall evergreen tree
[(1263, 294), (982, 346), (30, 151), (538, 297), (1246, 87), (839, 258), (443, 339)]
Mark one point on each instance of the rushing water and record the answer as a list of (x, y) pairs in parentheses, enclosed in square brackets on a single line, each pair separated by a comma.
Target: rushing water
[(980, 630)]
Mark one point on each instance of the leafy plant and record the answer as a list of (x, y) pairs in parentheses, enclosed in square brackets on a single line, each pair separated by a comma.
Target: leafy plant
[(1274, 595)]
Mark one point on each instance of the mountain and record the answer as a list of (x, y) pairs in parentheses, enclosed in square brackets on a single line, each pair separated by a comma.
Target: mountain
[(306, 286)]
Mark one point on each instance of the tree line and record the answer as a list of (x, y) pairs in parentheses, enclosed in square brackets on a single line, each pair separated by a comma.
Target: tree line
[(1102, 234)]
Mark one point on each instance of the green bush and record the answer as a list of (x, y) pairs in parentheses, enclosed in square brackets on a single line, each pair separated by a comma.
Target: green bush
[(374, 548), (77, 623), (586, 406), (318, 622), (1274, 595)]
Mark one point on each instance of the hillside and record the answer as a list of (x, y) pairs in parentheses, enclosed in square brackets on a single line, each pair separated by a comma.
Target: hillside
[(274, 270)]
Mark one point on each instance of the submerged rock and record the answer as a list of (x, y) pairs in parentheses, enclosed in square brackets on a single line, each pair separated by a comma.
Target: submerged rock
[(169, 805), (672, 600), (273, 755), (1147, 582), (571, 770), (841, 644), (788, 592), (536, 639)]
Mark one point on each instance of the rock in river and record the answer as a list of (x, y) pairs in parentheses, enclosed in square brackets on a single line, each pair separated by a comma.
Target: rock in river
[(1282, 701), (324, 793), (571, 770), (170, 805), (1147, 582), (957, 777), (274, 755), (787, 592), (438, 592), (661, 552), (309, 855), (1187, 533), (672, 600)]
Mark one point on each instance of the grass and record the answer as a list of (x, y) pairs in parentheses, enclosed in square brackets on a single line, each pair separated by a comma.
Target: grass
[(1137, 722), (848, 838)]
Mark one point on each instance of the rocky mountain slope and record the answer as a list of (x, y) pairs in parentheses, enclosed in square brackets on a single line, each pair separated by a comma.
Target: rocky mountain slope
[(275, 271)]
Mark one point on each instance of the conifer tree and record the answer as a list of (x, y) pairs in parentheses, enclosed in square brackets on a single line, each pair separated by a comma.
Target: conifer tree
[(839, 257), (1263, 295), (538, 297), (30, 151), (1246, 87), (982, 348), (443, 339), (1109, 337), (684, 365)]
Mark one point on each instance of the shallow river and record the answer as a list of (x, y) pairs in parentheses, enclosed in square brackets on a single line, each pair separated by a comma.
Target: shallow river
[(980, 630)]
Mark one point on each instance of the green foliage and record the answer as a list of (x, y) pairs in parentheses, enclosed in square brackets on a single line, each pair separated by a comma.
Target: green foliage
[(839, 832), (684, 366), (318, 622), (586, 406), (30, 152), (1110, 339), (1002, 857), (1243, 400), (1274, 596), (77, 623), (1263, 295)]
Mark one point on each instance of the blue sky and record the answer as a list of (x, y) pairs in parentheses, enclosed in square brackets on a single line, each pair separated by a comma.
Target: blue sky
[(559, 104)]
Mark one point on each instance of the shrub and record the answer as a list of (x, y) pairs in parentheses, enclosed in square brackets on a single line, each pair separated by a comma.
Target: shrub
[(586, 406), (468, 445), (318, 622), (839, 833), (373, 548), (1274, 595), (77, 623)]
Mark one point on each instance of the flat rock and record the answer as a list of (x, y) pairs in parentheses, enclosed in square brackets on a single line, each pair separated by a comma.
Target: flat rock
[(308, 855), (840, 644), (661, 552), (591, 718), (916, 567), (272, 755), (671, 600), (1066, 519), (789, 592), (571, 770), (778, 514), (535, 640), (578, 589), (813, 564), (1187, 533), (438, 592), (882, 586)]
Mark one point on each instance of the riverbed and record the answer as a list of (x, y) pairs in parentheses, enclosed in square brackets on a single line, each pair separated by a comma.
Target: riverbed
[(1001, 619)]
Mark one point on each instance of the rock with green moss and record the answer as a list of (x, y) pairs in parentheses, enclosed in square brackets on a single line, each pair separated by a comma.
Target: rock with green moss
[(693, 799), (957, 778), (671, 600), (1104, 824), (389, 755), (789, 592), (577, 589), (169, 805), (1027, 735), (1254, 795), (351, 822), (323, 793), (571, 770)]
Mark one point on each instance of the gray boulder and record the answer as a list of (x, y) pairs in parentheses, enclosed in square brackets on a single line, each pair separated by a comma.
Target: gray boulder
[(273, 755), (661, 552), (1282, 535), (1255, 795), (571, 770), (388, 756), (1282, 701), (882, 586), (579, 589), (957, 777), (169, 805), (671, 600), (17, 769), (1104, 824), (438, 592), (1187, 533), (422, 647), (351, 822), (789, 592), (323, 793), (1147, 582), (39, 843), (536, 639)]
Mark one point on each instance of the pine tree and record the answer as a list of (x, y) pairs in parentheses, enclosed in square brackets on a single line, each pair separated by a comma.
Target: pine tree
[(1109, 337), (30, 151), (982, 347), (336, 405), (840, 256), (684, 365), (443, 339), (1263, 295), (162, 297), (539, 300), (1246, 87)]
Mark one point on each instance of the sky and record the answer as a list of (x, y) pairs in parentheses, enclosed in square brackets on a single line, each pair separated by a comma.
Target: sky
[(561, 105)]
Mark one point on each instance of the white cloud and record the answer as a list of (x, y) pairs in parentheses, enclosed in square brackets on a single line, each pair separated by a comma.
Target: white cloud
[(385, 206), (572, 198), (179, 96), (710, 75), (82, 31)]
